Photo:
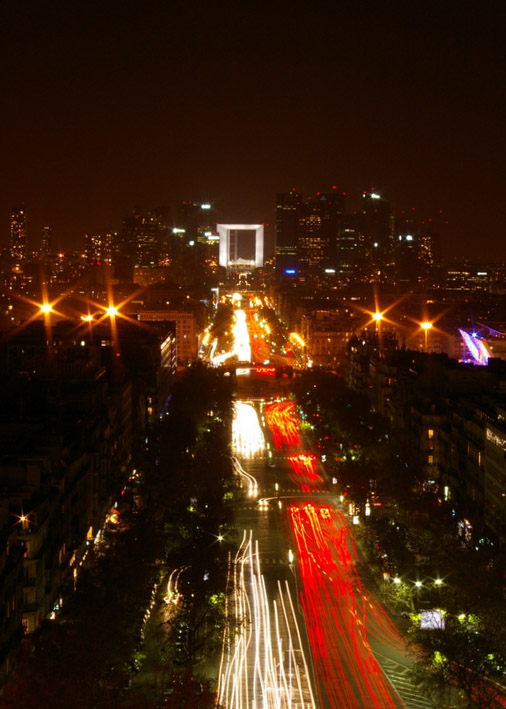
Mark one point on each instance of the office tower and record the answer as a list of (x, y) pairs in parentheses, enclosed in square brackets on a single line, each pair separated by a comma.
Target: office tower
[(408, 263), (46, 243), (98, 248), (418, 250), (377, 226), (143, 238), (197, 219), (18, 234), (351, 258), (318, 229), (288, 205)]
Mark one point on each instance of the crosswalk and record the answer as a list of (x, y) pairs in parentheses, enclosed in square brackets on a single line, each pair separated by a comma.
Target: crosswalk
[(400, 677)]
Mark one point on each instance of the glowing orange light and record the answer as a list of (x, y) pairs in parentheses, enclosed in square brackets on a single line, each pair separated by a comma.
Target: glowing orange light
[(87, 318), (426, 325), (269, 371), (377, 316), (112, 311), (46, 308)]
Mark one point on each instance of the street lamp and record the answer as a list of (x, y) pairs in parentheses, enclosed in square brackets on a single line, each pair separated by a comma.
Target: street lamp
[(46, 308), (426, 326), (378, 317), (111, 311)]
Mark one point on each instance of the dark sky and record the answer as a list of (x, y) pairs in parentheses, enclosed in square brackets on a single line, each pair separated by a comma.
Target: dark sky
[(111, 105)]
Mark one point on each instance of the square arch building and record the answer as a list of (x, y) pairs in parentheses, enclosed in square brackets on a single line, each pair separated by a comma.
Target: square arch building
[(225, 231)]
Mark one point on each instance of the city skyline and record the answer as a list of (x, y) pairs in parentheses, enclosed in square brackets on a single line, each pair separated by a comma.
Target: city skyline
[(123, 106)]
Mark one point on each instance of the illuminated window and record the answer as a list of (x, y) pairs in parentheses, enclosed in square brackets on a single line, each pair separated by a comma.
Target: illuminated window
[(430, 434), (150, 411), (430, 459)]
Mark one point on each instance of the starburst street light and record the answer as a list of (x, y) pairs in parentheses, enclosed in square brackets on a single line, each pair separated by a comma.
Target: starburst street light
[(377, 317), (426, 326), (46, 308), (111, 311)]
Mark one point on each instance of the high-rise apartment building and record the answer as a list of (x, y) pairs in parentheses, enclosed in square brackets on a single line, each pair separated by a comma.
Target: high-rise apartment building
[(18, 234)]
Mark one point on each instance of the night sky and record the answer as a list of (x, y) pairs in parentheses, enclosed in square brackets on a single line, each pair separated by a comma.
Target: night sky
[(111, 105)]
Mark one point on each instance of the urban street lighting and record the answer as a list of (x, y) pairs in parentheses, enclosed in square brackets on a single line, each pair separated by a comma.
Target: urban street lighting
[(426, 326)]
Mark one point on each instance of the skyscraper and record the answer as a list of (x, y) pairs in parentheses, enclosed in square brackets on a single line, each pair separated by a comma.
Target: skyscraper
[(198, 219), (288, 207), (318, 229), (18, 234), (144, 237), (352, 256), (46, 243), (306, 230), (418, 250), (98, 248), (376, 224)]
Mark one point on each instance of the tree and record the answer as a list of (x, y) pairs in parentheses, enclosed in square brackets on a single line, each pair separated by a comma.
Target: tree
[(466, 655)]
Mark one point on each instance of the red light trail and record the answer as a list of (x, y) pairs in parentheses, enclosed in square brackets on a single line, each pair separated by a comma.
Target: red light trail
[(340, 615)]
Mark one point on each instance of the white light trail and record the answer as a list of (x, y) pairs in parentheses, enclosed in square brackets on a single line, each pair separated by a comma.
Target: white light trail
[(241, 337), (262, 664), (247, 435), (250, 479), (241, 347)]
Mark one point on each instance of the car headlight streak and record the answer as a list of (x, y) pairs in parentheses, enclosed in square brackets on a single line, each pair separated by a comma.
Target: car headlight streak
[(247, 435), (263, 664)]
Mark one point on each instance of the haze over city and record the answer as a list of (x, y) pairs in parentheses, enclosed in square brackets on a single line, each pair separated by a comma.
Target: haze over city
[(109, 106)]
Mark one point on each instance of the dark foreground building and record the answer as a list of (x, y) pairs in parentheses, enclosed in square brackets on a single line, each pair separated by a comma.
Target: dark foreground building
[(76, 399)]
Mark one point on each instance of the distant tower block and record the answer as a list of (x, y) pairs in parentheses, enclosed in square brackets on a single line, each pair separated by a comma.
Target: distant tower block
[(229, 260)]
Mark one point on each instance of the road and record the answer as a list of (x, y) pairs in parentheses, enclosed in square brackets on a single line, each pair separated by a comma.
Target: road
[(304, 630), (359, 656), (308, 632), (265, 655)]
